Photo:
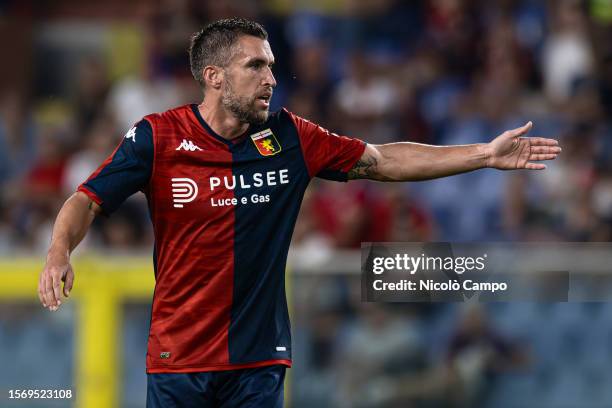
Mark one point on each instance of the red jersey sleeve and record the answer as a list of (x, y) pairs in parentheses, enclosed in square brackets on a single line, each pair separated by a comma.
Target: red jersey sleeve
[(326, 154)]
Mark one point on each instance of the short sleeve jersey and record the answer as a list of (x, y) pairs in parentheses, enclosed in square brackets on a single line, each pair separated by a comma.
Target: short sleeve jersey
[(223, 213)]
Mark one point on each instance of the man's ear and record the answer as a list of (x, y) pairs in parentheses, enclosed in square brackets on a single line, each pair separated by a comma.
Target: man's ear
[(213, 76)]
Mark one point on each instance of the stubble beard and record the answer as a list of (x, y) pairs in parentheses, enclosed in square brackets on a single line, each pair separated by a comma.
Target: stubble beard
[(243, 107)]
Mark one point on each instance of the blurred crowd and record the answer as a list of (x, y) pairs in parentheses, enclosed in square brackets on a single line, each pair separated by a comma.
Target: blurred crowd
[(353, 354), (349, 353), (430, 71)]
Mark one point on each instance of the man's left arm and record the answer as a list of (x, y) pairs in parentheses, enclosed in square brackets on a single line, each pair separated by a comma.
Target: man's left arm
[(407, 161)]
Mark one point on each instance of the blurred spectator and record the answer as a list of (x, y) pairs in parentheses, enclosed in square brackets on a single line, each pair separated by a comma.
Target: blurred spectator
[(97, 144), (92, 87), (477, 353), (366, 102), (567, 55), (383, 362), (41, 192), (134, 97), (18, 144), (408, 220), (349, 214)]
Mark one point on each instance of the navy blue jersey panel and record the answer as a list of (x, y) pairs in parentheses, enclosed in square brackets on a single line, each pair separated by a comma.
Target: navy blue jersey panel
[(127, 171), (271, 177)]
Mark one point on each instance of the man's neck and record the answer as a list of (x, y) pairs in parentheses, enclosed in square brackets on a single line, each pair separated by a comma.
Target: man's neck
[(223, 123)]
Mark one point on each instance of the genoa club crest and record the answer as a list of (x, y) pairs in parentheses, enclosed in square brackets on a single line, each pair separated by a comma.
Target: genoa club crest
[(266, 142)]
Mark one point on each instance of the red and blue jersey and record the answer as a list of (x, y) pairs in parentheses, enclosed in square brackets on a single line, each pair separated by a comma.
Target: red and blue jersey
[(223, 213)]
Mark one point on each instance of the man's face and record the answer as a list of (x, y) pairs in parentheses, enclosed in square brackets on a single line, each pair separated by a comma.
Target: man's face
[(248, 80)]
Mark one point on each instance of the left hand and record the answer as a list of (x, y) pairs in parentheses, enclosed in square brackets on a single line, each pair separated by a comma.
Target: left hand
[(510, 151)]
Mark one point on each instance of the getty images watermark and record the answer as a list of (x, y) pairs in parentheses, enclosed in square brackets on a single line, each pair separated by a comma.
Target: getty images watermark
[(449, 264), (417, 272)]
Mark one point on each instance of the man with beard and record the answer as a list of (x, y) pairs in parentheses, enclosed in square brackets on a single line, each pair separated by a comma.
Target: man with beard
[(224, 181)]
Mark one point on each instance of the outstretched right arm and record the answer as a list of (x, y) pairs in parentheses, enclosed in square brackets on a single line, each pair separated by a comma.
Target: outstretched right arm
[(71, 225)]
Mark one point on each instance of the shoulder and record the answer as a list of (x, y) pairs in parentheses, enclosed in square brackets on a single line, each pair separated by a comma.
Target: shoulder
[(142, 126), (285, 118), (285, 115), (179, 113), (138, 141)]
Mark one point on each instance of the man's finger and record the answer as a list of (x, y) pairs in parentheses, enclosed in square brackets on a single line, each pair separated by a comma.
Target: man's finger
[(68, 283), (39, 289), (40, 292), (535, 166), (521, 130), (49, 291), (43, 289), (49, 295), (543, 141), (40, 297), (545, 149), (538, 157), (57, 291)]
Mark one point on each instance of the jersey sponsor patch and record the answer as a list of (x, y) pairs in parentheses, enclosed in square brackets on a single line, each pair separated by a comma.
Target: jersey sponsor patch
[(184, 190), (266, 143)]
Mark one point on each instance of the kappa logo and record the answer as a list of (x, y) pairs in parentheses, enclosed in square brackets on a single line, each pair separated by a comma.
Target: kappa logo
[(266, 143), (184, 190), (188, 145), (131, 134)]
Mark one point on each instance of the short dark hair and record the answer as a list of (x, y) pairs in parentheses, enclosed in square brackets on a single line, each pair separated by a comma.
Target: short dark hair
[(212, 45)]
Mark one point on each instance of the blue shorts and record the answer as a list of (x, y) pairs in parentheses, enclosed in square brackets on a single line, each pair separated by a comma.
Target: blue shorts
[(249, 387)]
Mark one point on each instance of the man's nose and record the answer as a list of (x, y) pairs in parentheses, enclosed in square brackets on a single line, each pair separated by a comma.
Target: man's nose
[(269, 79)]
